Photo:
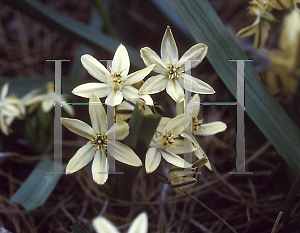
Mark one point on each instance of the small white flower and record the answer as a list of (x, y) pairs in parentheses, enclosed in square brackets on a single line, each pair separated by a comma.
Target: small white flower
[(10, 108), (172, 76), (100, 140), (116, 84), (139, 225), (33, 99), (166, 143), (196, 125)]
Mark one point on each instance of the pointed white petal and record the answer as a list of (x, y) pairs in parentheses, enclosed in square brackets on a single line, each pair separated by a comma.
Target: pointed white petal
[(200, 153), (195, 85), (100, 168), (250, 30), (102, 225), (162, 124), (114, 98), (48, 102), (175, 90), (123, 153), (97, 114), (182, 146), (212, 128), (176, 124), (4, 127), (193, 106), (4, 90), (78, 127), (150, 57), (82, 157), (139, 224), (94, 67), (180, 108), (35, 99), (154, 84), (196, 53), (10, 110), (169, 52), (153, 158), (121, 61), (85, 90), (119, 131), (174, 159), (138, 75)]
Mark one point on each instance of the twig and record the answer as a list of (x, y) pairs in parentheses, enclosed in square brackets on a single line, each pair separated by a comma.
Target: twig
[(213, 212), (276, 221)]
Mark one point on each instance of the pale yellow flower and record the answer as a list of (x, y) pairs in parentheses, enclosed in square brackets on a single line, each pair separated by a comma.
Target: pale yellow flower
[(99, 142), (286, 63), (10, 108), (167, 142), (116, 84), (139, 225), (261, 26), (172, 76)]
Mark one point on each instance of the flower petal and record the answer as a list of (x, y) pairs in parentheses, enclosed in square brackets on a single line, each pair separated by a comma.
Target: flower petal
[(163, 122), (250, 30), (174, 159), (200, 153), (261, 34), (94, 68), (78, 127), (212, 128), (176, 124), (121, 61), (175, 90), (97, 114), (138, 75), (10, 110), (150, 57), (153, 158), (169, 52), (196, 52), (114, 99), (100, 168), (85, 90), (131, 92), (183, 146), (139, 224), (4, 90), (48, 102), (193, 106), (154, 84), (4, 127), (102, 225), (195, 85), (123, 153), (119, 131), (82, 157)]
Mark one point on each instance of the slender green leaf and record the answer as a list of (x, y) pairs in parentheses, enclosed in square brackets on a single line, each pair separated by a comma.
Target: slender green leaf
[(206, 27), (71, 28), (77, 228), (38, 186)]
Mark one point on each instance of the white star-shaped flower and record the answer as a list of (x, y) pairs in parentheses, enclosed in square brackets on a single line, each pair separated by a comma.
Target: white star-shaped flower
[(167, 143), (116, 84), (139, 225), (197, 127), (172, 76), (100, 140)]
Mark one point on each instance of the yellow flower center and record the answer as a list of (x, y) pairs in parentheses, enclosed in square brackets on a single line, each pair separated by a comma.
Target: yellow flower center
[(99, 141), (117, 79), (196, 124), (166, 140), (174, 71)]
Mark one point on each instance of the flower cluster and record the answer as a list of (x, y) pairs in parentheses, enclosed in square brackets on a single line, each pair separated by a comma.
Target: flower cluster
[(170, 139), (261, 26)]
